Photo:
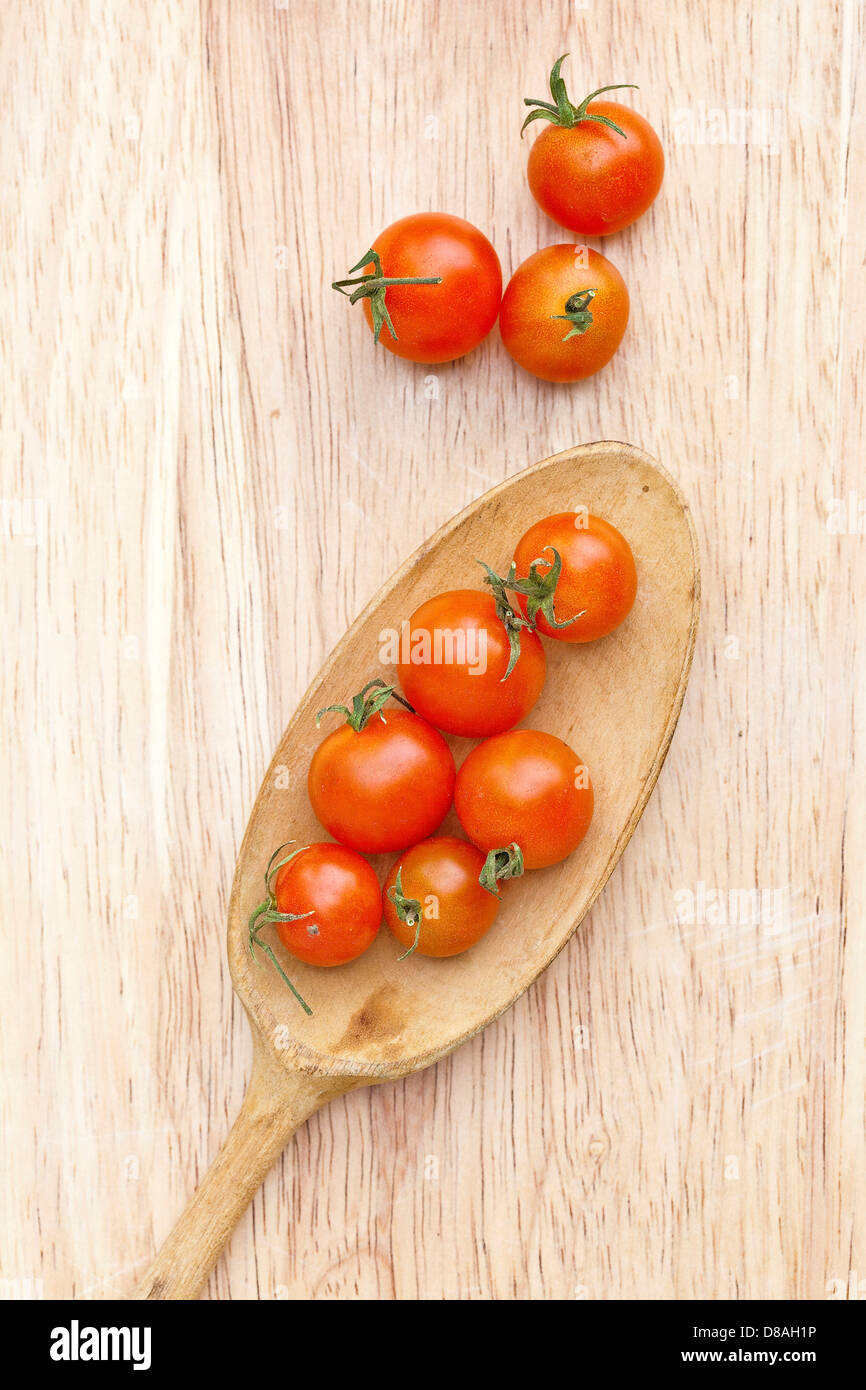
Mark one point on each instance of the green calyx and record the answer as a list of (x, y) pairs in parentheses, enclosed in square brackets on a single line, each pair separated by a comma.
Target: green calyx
[(539, 591), (408, 910), (513, 621), (577, 313), (365, 705), (375, 286), (562, 112), (499, 865), (268, 912)]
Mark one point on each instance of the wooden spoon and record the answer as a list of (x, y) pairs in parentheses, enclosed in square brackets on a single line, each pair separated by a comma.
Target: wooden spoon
[(616, 702)]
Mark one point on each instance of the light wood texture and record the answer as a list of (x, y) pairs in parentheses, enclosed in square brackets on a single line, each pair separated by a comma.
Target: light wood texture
[(218, 473), (276, 1103), (382, 1018)]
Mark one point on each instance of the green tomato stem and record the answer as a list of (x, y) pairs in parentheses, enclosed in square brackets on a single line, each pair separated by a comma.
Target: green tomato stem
[(562, 112), (268, 912), (375, 287), (513, 621), (365, 705), (408, 910), (499, 865), (577, 313), (539, 590)]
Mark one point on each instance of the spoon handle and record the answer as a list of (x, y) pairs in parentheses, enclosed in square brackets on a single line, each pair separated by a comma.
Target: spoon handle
[(277, 1103)]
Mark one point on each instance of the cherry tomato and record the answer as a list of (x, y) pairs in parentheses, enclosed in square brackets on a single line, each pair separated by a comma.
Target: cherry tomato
[(434, 289), (564, 312), (454, 655), (325, 902), (526, 787), (342, 893), (597, 579), (384, 779), (597, 167), (434, 900)]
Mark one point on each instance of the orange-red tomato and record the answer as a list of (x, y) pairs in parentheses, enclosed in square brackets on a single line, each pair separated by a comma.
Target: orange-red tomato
[(564, 312), (585, 174), (433, 322), (441, 876), (526, 787), (590, 179), (598, 578), (385, 786), (454, 656), (340, 891)]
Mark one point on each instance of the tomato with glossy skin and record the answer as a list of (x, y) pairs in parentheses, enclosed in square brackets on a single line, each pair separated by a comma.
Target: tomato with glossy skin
[(564, 313), (454, 656), (430, 322), (340, 892), (595, 168), (383, 780), (527, 787), (598, 579), (449, 909)]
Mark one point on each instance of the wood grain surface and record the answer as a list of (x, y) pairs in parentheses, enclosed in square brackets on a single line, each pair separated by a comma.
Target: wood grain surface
[(207, 471)]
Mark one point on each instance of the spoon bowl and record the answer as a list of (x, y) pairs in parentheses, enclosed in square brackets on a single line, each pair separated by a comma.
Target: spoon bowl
[(615, 702)]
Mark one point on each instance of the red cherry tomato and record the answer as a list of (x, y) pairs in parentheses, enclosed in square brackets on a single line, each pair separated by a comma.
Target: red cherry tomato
[(434, 901), (564, 313), (429, 322), (598, 579), (384, 779), (597, 167), (525, 787), (325, 902), (454, 657), (335, 895)]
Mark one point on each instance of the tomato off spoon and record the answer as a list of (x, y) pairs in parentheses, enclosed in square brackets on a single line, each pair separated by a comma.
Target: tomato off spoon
[(615, 701)]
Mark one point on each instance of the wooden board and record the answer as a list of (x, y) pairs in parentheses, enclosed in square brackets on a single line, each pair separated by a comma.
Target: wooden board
[(207, 471)]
